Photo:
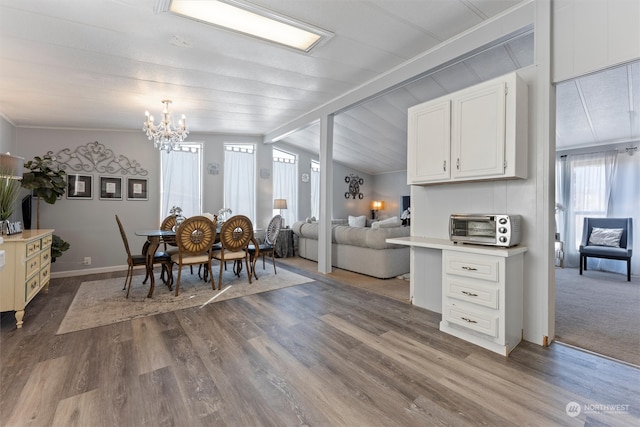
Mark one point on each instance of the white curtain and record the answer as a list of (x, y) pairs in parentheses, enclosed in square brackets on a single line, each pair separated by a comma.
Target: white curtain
[(239, 183), (583, 189), (625, 203), (285, 186), (181, 181), (315, 192)]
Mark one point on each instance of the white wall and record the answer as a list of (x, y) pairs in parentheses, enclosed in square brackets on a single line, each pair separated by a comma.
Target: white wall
[(390, 187)]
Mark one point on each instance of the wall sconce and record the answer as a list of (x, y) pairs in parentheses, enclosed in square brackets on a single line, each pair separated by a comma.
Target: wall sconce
[(376, 205)]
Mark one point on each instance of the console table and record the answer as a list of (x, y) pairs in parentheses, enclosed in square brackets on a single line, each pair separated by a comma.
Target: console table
[(26, 270)]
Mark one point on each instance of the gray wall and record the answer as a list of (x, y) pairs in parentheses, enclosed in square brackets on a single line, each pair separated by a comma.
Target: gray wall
[(89, 225)]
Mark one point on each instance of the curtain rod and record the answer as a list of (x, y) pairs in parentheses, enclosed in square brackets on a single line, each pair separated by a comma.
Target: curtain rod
[(577, 151)]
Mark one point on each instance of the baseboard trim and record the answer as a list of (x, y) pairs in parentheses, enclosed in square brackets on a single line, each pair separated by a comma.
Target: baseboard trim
[(84, 272)]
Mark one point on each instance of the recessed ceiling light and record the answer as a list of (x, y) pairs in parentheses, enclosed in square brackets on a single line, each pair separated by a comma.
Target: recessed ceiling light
[(252, 20)]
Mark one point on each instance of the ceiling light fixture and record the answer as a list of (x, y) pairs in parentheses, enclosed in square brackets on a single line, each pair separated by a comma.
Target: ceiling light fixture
[(251, 20), (166, 136)]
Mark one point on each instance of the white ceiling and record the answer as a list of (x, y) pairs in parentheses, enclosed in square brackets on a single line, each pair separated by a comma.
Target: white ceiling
[(99, 64)]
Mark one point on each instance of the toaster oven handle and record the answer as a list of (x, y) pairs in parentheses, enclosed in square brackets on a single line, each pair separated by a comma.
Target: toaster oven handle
[(474, 218)]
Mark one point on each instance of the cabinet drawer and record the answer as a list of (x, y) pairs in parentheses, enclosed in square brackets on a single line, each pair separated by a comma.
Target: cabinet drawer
[(45, 257), (46, 241), (482, 295), (477, 266), (33, 265), (44, 275), (32, 287), (33, 247), (480, 322)]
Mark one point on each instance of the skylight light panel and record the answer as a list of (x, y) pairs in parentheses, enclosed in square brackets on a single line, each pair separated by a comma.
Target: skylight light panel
[(251, 20)]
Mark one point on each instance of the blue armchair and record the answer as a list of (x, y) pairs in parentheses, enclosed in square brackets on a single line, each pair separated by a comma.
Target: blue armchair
[(622, 253)]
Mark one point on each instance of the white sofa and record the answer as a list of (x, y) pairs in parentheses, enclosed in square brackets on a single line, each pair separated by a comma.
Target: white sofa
[(360, 249)]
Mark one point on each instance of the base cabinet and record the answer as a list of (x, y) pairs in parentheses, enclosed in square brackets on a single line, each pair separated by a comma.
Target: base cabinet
[(26, 271), (482, 299)]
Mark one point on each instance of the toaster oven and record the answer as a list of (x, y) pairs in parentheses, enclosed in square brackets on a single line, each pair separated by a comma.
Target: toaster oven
[(485, 229)]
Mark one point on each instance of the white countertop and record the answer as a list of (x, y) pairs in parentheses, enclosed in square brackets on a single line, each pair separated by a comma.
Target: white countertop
[(444, 244)]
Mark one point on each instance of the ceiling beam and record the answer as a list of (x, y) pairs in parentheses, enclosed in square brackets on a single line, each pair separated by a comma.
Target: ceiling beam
[(511, 21)]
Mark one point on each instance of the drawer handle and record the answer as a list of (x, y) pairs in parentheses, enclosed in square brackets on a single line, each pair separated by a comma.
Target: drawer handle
[(468, 320), (45, 273), (471, 294), (464, 267)]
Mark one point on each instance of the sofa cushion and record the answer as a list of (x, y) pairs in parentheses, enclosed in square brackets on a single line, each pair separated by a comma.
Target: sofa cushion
[(374, 238), (387, 223), (357, 221)]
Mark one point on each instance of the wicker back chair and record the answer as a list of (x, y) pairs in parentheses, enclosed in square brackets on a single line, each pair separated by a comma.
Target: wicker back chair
[(195, 238), (235, 236), (139, 259), (270, 240)]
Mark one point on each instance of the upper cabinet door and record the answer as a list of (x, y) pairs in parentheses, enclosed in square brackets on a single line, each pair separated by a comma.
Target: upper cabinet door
[(478, 136), (429, 137)]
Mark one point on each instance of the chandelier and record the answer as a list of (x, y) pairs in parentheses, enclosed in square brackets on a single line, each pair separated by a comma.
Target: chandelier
[(165, 135)]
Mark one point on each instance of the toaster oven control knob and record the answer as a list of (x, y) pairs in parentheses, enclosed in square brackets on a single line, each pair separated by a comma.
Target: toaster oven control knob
[(503, 239), (502, 220), (502, 230)]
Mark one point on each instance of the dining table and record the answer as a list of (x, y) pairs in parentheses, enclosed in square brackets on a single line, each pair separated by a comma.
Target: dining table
[(155, 237)]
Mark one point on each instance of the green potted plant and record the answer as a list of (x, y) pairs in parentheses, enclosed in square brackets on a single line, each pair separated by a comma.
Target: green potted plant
[(45, 181), (58, 246)]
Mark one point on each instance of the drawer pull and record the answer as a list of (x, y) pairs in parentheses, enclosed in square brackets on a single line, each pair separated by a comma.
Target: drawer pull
[(468, 320), (464, 267), (470, 294)]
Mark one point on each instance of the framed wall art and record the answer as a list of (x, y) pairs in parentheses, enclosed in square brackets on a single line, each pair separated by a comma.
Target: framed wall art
[(137, 189), (110, 188), (79, 187)]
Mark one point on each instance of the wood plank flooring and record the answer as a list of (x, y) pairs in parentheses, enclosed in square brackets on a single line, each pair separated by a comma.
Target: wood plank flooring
[(318, 354)]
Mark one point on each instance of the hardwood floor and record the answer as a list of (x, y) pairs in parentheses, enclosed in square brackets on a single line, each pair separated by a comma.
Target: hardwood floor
[(318, 354)]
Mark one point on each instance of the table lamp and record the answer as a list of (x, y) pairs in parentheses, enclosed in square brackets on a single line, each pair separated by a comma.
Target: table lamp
[(376, 205), (280, 204)]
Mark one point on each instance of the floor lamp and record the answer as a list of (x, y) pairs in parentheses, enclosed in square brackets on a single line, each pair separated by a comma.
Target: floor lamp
[(280, 204)]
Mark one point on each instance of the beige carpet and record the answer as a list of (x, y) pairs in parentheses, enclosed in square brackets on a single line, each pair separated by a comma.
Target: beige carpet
[(103, 302), (599, 312)]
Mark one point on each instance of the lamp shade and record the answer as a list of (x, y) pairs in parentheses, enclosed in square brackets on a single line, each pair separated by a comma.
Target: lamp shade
[(280, 204), (11, 166), (377, 205)]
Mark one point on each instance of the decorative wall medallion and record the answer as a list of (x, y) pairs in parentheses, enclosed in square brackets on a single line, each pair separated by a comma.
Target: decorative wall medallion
[(354, 182), (305, 177), (96, 157)]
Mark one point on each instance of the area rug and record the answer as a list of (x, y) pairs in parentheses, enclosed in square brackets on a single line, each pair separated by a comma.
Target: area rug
[(103, 302), (598, 311)]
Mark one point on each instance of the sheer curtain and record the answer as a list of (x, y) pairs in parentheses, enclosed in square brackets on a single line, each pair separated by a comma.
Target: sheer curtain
[(181, 180), (239, 181), (285, 186), (315, 189), (625, 203), (584, 183)]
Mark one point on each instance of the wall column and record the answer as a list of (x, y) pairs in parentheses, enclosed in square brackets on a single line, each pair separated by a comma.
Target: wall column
[(326, 193)]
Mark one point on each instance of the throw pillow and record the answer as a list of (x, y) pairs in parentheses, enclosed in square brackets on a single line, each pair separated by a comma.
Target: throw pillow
[(605, 237), (357, 221)]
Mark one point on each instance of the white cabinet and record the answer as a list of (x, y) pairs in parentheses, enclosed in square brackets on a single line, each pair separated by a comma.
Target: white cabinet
[(26, 270), (482, 299), (478, 133)]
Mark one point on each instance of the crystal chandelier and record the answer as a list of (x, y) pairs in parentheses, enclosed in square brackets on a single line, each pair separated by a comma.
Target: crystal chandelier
[(165, 135)]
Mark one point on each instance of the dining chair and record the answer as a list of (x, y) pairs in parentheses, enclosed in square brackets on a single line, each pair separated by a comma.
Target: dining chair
[(235, 236), (269, 244), (140, 259), (195, 238)]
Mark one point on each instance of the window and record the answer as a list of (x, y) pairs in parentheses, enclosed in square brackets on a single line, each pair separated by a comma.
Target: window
[(285, 183), (240, 179), (181, 180), (315, 189)]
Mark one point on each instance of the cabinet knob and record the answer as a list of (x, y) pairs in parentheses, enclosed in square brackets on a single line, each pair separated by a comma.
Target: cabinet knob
[(458, 163), (444, 166)]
